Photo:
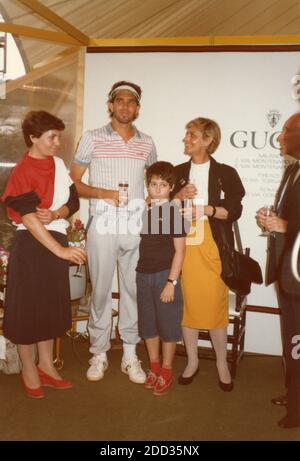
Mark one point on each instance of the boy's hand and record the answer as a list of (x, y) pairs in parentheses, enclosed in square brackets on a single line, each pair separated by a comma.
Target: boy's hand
[(167, 295)]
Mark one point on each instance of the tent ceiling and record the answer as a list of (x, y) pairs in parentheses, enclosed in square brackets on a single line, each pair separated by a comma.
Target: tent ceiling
[(112, 19)]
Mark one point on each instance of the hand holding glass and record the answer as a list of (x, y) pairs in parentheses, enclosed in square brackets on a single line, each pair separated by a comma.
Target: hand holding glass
[(188, 202), (79, 273), (123, 193), (267, 212)]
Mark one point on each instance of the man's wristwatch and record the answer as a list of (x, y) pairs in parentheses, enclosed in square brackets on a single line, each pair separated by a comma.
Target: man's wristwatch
[(174, 282)]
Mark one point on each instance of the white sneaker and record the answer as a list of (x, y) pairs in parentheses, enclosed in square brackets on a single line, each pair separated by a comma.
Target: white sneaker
[(132, 367), (98, 366)]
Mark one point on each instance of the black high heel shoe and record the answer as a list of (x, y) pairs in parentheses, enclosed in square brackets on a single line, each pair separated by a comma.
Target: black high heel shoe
[(226, 387), (188, 380)]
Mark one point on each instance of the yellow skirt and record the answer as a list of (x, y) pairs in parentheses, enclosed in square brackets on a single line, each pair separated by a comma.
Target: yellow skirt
[(204, 292)]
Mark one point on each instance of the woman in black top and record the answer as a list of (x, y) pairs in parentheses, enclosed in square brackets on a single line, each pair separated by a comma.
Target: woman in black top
[(219, 188)]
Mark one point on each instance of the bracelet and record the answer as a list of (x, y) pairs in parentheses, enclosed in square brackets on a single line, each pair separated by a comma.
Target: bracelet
[(214, 211)]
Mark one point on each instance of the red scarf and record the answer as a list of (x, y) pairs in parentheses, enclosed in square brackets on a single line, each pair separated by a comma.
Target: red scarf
[(31, 175)]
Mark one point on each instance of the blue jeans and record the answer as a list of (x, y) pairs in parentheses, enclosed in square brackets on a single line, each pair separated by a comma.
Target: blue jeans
[(156, 318)]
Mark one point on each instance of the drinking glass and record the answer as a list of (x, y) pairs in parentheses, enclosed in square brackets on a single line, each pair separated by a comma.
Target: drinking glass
[(267, 212), (188, 202), (79, 273), (123, 193)]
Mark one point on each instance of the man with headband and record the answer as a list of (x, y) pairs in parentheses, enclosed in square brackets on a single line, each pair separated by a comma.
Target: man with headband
[(115, 152)]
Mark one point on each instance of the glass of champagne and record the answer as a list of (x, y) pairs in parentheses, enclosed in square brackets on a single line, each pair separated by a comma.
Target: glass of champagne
[(79, 273), (189, 201), (188, 204), (267, 212)]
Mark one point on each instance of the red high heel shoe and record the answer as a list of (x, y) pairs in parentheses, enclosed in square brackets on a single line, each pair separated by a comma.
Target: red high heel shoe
[(36, 393), (47, 380)]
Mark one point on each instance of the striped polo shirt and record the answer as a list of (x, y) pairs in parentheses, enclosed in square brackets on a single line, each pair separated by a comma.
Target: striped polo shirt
[(111, 160)]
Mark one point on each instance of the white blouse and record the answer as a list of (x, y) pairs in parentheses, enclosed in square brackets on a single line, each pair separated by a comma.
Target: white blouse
[(199, 177)]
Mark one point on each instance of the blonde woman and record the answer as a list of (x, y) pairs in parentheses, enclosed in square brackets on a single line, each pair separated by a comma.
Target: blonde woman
[(219, 187)]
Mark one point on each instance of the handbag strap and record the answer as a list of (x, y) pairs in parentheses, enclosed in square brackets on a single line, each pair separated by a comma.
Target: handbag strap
[(236, 229), (223, 234), (237, 236)]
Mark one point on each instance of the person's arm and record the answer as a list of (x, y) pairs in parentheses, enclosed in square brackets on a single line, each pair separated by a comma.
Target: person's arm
[(271, 223), (167, 295), (76, 172), (41, 234), (46, 216), (230, 207), (217, 212), (189, 191), (275, 224)]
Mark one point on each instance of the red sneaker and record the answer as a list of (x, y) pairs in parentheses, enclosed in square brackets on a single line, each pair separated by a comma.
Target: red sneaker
[(150, 380), (162, 386)]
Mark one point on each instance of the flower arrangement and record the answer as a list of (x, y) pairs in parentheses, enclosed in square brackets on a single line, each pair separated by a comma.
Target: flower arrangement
[(4, 255), (76, 233)]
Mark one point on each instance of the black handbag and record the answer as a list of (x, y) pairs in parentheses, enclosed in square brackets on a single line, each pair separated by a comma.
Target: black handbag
[(238, 269)]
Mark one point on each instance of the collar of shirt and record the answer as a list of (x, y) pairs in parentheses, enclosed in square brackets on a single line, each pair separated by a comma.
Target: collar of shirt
[(111, 131)]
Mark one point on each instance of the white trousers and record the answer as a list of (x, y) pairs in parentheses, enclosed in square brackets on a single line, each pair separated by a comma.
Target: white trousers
[(104, 251)]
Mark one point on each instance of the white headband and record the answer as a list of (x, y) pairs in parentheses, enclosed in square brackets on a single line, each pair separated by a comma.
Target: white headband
[(125, 88)]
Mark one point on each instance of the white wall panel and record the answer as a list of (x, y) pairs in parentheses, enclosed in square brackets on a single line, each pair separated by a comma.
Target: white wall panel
[(238, 90)]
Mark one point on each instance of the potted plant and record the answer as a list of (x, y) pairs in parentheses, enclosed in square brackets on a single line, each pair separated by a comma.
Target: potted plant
[(76, 234)]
